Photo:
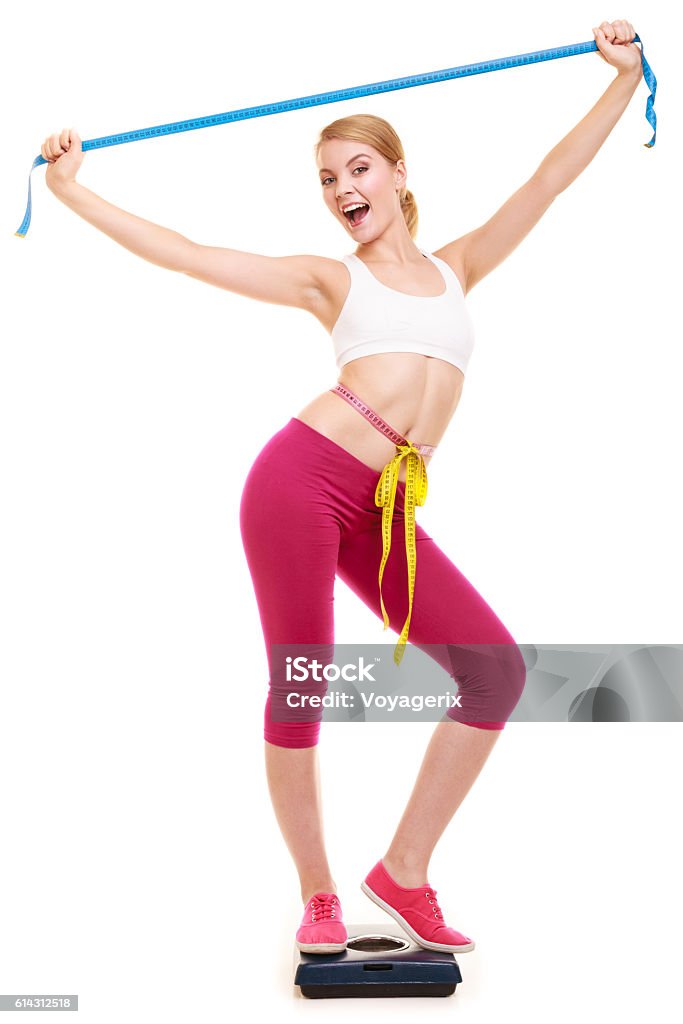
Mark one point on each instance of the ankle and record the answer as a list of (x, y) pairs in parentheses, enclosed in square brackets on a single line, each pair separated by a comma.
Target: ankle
[(309, 889), (407, 870)]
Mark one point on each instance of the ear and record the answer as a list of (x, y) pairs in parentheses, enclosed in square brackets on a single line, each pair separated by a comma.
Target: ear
[(400, 174)]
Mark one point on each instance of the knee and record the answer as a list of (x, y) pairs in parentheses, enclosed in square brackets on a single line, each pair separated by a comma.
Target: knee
[(491, 679)]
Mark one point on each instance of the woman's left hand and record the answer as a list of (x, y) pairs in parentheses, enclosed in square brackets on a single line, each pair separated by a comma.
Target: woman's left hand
[(614, 40)]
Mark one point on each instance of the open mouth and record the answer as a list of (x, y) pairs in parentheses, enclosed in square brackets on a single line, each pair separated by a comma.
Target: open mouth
[(358, 215)]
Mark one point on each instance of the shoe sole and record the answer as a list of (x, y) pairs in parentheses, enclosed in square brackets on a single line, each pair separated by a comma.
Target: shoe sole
[(321, 947), (439, 947)]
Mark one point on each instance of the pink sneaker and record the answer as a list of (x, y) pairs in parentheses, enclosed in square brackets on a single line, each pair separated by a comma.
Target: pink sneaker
[(416, 910), (322, 929)]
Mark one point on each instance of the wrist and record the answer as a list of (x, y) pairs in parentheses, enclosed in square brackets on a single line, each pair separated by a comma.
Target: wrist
[(631, 74), (60, 188)]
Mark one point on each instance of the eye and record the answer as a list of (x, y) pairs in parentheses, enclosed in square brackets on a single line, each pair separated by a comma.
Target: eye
[(359, 168)]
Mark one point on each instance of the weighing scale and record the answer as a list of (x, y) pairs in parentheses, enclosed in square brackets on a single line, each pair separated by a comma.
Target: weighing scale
[(378, 961)]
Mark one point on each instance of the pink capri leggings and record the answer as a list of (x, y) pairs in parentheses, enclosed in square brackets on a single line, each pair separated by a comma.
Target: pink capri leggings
[(308, 514)]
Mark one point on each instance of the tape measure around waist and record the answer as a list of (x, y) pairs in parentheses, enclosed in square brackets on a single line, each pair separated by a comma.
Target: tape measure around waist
[(378, 422), (354, 92)]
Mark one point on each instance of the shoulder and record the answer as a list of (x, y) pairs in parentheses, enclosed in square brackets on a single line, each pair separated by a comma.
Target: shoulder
[(327, 273), (330, 281), (454, 255)]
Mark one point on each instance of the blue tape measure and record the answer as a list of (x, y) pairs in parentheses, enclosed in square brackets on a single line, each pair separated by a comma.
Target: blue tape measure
[(346, 94)]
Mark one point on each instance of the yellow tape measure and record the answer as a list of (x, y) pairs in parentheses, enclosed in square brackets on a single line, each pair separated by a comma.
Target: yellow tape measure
[(416, 494)]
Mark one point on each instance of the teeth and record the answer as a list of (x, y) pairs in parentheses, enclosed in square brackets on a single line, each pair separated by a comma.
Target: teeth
[(354, 206)]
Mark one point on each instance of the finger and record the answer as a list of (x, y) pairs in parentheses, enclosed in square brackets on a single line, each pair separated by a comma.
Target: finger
[(629, 31), (64, 139), (55, 146), (621, 31), (600, 41), (607, 30)]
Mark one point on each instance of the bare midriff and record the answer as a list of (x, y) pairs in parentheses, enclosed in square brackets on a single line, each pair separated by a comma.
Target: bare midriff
[(417, 395)]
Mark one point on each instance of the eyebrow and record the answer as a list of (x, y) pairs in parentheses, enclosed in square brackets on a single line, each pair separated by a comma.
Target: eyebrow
[(356, 157)]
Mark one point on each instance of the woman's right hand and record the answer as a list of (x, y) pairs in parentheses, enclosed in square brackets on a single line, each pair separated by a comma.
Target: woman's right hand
[(64, 155)]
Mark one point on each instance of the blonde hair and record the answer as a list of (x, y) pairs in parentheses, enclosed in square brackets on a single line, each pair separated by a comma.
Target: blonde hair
[(378, 133)]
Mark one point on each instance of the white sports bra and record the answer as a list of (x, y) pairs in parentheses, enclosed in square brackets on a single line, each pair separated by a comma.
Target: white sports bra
[(376, 318)]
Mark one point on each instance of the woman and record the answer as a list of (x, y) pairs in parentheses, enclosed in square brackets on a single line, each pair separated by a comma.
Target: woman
[(343, 475)]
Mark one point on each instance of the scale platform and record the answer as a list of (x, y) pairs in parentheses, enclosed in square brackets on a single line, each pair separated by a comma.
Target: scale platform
[(379, 960)]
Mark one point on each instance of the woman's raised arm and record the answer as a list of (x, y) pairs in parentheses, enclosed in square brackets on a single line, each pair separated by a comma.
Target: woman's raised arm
[(575, 151), (163, 246), (483, 249), (152, 242), (285, 280)]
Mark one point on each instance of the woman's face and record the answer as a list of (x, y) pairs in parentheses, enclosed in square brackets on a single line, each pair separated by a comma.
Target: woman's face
[(355, 172)]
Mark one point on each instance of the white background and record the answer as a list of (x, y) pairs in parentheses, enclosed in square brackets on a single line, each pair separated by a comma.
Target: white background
[(141, 865)]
